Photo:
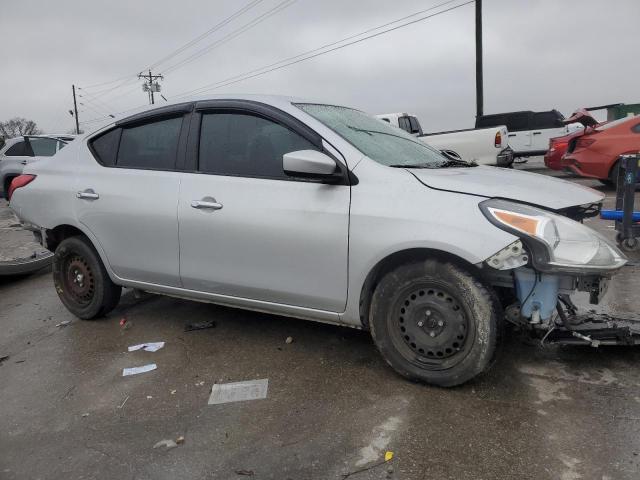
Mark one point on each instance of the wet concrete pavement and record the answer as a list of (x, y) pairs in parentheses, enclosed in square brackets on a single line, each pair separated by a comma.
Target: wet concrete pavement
[(333, 406)]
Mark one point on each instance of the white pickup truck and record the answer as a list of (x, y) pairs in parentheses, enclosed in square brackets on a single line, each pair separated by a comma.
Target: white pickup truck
[(486, 146)]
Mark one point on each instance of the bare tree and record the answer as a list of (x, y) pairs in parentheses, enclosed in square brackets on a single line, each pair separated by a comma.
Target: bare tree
[(18, 126)]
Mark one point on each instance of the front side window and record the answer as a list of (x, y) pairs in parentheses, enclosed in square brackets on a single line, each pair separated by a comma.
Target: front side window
[(43, 147), (246, 145), (542, 120), (150, 146), (19, 149), (383, 143)]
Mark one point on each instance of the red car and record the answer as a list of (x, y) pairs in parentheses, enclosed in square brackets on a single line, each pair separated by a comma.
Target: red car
[(558, 145), (595, 151)]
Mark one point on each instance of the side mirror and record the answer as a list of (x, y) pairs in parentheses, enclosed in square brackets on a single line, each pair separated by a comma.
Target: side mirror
[(309, 164)]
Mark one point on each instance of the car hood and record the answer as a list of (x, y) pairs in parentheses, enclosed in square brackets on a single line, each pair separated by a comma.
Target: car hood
[(492, 182)]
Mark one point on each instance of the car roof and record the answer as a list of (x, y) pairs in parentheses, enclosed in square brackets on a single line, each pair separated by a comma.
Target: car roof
[(278, 101)]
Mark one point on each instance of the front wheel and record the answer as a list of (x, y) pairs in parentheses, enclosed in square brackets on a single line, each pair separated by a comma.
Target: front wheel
[(434, 322), (81, 280)]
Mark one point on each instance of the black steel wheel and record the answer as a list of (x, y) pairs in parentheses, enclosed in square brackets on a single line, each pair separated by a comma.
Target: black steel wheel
[(435, 322), (81, 281)]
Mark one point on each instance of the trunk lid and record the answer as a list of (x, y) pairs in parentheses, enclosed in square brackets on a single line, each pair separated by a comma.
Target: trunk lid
[(491, 182)]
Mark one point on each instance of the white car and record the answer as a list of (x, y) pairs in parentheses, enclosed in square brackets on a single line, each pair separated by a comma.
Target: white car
[(482, 146), (20, 151), (319, 212)]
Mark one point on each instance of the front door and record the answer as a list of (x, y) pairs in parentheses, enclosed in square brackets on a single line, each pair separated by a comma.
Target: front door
[(248, 230)]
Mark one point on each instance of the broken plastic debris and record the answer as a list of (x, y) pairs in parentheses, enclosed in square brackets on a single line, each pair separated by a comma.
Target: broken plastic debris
[(125, 324), (239, 391), (180, 440), (388, 455), (169, 444), (136, 370), (173, 392), (84, 415), (149, 397), (64, 323), (246, 473), (199, 325), (199, 384), (147, 347), (289, 340), (125, 401)]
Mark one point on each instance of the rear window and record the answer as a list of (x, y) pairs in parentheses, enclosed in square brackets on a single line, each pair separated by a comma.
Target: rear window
[(614, 123)]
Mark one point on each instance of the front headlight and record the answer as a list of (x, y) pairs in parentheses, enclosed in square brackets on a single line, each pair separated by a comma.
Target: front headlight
[(557, 243)]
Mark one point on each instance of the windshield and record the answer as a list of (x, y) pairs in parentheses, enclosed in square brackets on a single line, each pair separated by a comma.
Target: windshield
[(378, 140)]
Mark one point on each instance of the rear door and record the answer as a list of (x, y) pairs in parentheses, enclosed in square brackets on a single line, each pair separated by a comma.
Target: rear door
[(519, 134), (246, 228), (127, 196), (545, 126), (13, 161)]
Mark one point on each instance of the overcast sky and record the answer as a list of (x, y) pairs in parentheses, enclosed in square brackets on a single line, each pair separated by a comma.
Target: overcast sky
[(539, 54)]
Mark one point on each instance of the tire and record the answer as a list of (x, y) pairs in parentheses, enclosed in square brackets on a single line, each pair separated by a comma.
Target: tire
[(5, 187), (81, 280), (613, 175), (435, 323)]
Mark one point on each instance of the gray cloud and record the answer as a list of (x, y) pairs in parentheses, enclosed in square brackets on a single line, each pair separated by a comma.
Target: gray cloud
[(539, 54)]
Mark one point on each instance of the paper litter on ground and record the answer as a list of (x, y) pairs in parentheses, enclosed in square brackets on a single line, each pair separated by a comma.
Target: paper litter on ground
[(136, 370), (239, 391), (148, 347)]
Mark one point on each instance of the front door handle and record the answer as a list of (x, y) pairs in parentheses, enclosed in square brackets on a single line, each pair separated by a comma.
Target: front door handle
[(537, 133), (88, 194), (23, 162), (206, 203)]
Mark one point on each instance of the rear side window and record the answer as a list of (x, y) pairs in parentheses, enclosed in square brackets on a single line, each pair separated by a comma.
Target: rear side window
[(415, 125), (150, 146), (542, 120), (105, 147), (517, 122), (246, 145), (403, 123), (43, 147), (19, 149), (491, 121)]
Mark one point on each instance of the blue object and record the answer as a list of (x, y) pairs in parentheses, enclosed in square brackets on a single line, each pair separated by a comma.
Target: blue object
[(536, 291), (617, 215)]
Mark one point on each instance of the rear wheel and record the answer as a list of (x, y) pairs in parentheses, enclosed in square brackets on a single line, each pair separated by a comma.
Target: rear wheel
[(81, 280), (613, 176), (434, 322), (5, 187)]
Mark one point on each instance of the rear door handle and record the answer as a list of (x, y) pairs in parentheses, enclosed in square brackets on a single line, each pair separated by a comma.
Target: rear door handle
[(512, 134), (206, 204), (88, 194), (23, 162), (537, 133)]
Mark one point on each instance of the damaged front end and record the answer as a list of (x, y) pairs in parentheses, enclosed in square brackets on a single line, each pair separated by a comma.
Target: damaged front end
[(554, 258)]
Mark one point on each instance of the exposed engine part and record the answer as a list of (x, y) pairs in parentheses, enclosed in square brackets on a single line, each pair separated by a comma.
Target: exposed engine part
[(537, 293), (510, 257)]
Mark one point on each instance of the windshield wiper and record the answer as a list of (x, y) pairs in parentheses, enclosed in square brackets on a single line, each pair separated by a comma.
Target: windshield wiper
[(413, 165), (456, 163)]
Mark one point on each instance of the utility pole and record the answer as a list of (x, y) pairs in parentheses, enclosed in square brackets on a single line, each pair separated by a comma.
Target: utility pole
[(75, 109), (479, 86), (151, 85)]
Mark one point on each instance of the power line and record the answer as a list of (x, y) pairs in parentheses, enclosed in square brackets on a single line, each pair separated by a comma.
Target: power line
[(126, 79), (261, 18), (310, 54), (213, 29), (339, 41)]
